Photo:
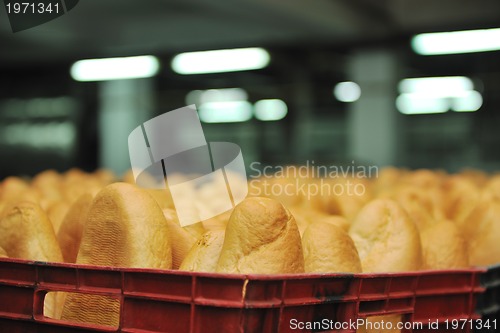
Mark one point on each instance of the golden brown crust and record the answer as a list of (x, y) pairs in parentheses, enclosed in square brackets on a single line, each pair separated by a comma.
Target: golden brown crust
[(386, 239), (329, 249), (417, 204), (125, 227), (180, 238), (443, 247), (71, 229), (205, 252), (304, 217), (261, 237), (56, 213), (3, 253), (482, 231), (12, 187), (27, 233)]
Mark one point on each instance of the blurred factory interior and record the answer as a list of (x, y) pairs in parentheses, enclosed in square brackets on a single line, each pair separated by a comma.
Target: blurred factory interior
[(331, 87)]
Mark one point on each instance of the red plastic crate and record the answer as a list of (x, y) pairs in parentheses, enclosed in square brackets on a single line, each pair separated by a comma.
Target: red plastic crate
[(174, 301), (488, 303)]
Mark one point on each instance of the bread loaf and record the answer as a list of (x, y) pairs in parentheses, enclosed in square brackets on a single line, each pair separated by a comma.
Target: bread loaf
[(261, 237), (180, 238), (329, 249), (443, 247), (125, 227), (56, 213), (482, 231), (3, 253), (27, 233), (70, 232), (386, 238), (204, 254)]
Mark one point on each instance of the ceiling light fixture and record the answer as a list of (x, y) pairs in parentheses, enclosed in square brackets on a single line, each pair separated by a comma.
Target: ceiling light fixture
[(115, 68), (225, 112), (219, 61), (347, 91), (467, 41), (442, 86), (270, 109)]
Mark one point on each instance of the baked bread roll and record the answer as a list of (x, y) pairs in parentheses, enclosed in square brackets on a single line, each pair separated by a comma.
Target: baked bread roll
[(423, 178), (304, 217), (105, 176), (461, 196), (180, 238), (329, 249), (443, 247), (3, 253), (482, 231), (301, 218), (217, 222), (262, 238), (204, 254), (282, 188), (344, 197), (417, 204), (56, 213), (387, 179), (12, 187), (125, 227), (27, 233), (386, 238), (70, 232), (162, 197)]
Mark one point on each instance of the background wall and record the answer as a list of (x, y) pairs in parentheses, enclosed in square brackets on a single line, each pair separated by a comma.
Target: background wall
[(49, 120)]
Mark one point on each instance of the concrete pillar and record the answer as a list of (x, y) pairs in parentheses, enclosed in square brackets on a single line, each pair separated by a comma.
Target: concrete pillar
[(124, 105), (373, 119), (303, 118)]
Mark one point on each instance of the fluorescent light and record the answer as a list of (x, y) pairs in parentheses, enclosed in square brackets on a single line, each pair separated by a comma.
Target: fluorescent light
[(115, 68), (457, 42), (218, 61), (270, 109), (199, 97), (225, 112), (223, 95), (438, 95), (445, 86), (347, 91), (422, 103), (416, 103), (471, 101)]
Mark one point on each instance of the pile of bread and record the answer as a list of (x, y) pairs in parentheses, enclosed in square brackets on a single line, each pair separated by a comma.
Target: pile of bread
[(402, 221)]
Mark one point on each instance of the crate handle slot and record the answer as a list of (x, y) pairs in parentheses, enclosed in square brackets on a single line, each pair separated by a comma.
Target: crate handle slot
[(78, 309)]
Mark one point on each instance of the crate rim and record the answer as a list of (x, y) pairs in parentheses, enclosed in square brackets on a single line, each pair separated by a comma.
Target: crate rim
[(267, 277)]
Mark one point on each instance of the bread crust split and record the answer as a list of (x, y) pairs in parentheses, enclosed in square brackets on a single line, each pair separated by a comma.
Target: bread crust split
[(204, 254)]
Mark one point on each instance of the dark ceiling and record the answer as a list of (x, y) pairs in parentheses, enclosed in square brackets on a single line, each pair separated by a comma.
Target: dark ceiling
[(97, 28)]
